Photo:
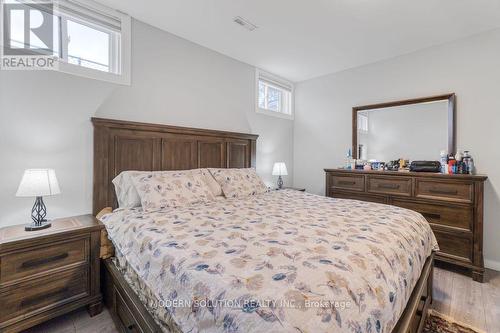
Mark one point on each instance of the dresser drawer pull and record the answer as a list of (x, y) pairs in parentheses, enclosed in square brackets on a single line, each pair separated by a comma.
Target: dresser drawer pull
[(38, 298), (345, 182), (37, 262), (445, 192), (389, 186), (431, 216)]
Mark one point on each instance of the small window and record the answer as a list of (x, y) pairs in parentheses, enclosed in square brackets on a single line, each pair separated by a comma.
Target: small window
[(89, 47), (90, 40), (362, 123), (274, 95)]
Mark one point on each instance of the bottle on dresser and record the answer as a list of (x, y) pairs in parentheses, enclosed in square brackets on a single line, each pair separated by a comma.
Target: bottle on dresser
[(468, 163), (348, 160), (452, 164), (444, 161), (459, 169)]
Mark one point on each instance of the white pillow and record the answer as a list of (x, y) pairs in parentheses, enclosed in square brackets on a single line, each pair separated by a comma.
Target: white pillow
[(126, 194)]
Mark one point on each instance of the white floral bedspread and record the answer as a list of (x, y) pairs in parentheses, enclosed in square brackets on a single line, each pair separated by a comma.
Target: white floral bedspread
[(283, 261)]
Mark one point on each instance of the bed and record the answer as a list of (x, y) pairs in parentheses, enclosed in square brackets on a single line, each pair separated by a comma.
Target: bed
[(280, 261)]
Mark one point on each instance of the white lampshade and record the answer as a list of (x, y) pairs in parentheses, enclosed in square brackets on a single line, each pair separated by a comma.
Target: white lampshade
[(38, 183), (279, 169)]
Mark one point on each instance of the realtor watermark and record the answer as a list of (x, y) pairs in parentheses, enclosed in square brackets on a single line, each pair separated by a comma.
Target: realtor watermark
[(250, 304), (27, 35)]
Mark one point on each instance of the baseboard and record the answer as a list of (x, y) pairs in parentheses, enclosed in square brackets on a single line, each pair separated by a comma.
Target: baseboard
[(492, 264)]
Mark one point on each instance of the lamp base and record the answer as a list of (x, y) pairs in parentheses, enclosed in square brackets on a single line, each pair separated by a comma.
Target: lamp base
[(36, 226), (280, 182), (38, 213)]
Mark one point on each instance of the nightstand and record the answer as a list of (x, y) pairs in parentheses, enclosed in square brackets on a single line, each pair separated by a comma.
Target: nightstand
[(293, 188), (47, 273)]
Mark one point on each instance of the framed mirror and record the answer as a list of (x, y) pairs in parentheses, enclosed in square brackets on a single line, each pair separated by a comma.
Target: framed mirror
[(414, 129)]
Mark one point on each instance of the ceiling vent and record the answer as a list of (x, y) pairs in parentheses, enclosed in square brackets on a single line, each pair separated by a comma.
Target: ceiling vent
[(245, 23)]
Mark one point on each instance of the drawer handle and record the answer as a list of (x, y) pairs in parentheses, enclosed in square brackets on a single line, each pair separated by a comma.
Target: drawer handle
[(445, 192), (345, 182), (37, 262), (131, 327), (389, 186), (432, 216), (38, 298)]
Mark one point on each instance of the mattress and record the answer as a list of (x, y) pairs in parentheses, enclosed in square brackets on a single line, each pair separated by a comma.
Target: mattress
[(147, 297), (283, 261)]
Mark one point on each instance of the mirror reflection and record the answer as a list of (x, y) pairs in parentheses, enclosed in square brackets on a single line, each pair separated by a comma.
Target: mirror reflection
[(413, 132)]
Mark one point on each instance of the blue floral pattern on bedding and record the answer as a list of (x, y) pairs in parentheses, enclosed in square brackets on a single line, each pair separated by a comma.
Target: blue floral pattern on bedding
[(282, 261)]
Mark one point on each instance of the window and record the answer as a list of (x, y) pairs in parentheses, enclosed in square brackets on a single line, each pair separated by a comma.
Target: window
[(274, 95), (88, 47), (90, 40), (362, 122)]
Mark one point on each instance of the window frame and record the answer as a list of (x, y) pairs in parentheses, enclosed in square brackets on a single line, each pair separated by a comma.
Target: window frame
[(281, 84), (121, 59), (119, 48)]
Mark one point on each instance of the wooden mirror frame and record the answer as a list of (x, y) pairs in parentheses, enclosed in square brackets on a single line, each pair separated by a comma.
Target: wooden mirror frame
[(451, 98)]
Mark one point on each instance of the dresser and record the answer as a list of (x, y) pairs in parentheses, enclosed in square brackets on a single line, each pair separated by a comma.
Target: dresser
[(47, 273), (452, 204)]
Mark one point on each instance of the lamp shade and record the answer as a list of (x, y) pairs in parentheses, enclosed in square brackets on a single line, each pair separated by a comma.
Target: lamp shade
[(279, 169), (38, 183)]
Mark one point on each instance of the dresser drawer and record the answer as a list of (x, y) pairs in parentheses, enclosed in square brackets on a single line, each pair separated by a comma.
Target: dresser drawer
[(35, 260), (449, 191), (458, 217), (362, 197), (454, 244), (44, 293), (347, 182), (390, 185)]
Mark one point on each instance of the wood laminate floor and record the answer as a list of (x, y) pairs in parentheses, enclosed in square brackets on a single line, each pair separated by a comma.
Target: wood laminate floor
[(455, 295)]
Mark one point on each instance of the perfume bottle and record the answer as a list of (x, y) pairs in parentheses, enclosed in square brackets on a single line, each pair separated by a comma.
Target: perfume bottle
[(348, 160), (452, 164), (444, 161), (468, 162)]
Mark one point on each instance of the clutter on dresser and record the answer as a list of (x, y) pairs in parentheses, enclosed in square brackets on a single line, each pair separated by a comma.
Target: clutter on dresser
[(460, 163)]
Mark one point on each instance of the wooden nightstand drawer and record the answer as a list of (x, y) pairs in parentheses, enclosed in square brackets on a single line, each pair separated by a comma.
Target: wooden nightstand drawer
[(450, 191), (44, 294), (42, 259), (390, 185), (47, 273)]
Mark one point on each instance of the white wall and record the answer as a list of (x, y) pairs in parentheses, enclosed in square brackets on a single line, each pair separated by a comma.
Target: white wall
[(45, 116), (469, 67), (414, 132)]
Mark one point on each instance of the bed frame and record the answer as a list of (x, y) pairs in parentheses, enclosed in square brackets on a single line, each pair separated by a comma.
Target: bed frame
[(124, 145)]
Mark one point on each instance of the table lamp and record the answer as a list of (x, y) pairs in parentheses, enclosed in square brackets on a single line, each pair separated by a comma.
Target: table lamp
[(38, 183), (279, 169)]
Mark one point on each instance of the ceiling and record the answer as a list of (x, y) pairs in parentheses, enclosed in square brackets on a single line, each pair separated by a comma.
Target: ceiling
[(302, 39)]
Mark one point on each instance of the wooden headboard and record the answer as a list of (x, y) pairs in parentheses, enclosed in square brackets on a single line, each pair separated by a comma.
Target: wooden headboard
[(125, 145)]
